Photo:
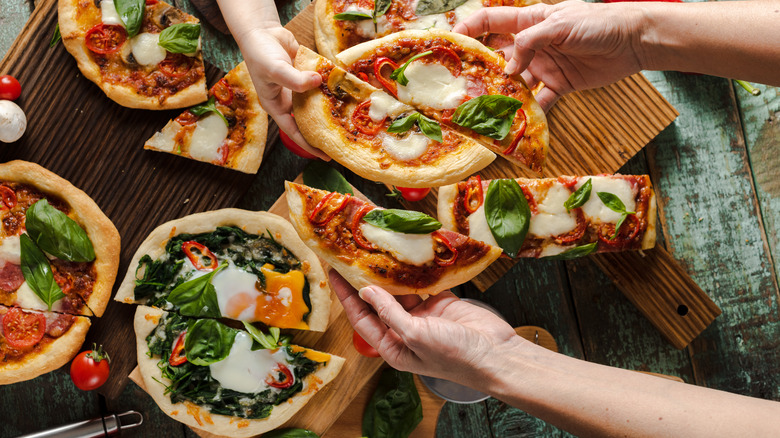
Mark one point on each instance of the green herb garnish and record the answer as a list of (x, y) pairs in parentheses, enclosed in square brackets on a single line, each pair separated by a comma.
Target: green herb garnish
[(180, 38), (319, 175), (615, 204), (402, 221), (57, 234), (430, 128), (490, 115), (579, 197), (398, 74), (37, 272), (209, 106), (508, 214)]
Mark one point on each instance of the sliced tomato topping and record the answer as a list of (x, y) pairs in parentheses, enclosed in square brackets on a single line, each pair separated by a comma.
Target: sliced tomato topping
[(223, 92), (151, 2), (176, 65), (445, 253), (324, 211), (380, 64), (23, 329), (530, 198), (178, 355), (363, 121), (186, 118), (575, 234), (355, 227), (520, 133), (473, 197), (448, 58), (282, 379), (105, 38), (446, 116), (628, 231), (8, 196), (200, 256)]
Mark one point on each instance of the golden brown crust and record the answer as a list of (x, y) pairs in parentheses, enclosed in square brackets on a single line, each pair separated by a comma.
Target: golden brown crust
[(326, 33), (649, 239), (146, 319), (99, 228)]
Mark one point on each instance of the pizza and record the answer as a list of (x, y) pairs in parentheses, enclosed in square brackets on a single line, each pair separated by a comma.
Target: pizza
[(459, 83), (404, 252), (141, 54), (354, 123), (222, 380), (569, 216), (237, 264), (341, 24), (229, 130)]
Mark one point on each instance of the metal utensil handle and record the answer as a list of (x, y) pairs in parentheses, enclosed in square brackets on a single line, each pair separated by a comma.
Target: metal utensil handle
[(109, 425)]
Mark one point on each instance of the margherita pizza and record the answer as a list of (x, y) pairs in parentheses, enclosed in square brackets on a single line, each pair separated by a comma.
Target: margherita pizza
[(569, 216), (142, 54), (229, 130), (377, 137), (404, 252)]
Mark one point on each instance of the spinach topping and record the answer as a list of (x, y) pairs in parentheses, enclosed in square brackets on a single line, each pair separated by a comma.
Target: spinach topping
[(395, 408)]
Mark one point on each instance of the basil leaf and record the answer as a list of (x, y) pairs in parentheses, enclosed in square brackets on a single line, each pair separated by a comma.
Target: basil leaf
[(268, 342), (579, 197), (490, 115), (398, 74), (395, 409), (430, 7), (208, 341), (131, 12), (404, 123), (57, 234), (319, 175), (618, 224), (613, 202), (197, 297), (209, 106), (429, 128), (508, 214), (381, 7), (402, 221), (56, 36), (180, 38), (37, 272), (290, 433), (353, 16), (576, 252)]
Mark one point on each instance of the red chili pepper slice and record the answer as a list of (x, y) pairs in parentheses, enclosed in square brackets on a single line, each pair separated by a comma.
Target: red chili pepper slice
[(223, 92), (9, 196), (386, 82), (520, 133), (151, 2), (363, 121), (364, 76), (105, 38), (286, 382), (448, 255), (445, 53), (200, 256), (321, 207), (355, 227), (628, 231), (473, 197), (178, 355), (176, 65), (575, 234)]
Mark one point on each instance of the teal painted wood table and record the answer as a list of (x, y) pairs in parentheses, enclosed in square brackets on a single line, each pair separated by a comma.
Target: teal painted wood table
[(717, 173)]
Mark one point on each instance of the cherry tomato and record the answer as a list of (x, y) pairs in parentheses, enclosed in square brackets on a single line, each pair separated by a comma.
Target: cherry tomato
[(23, 329), (223, 92), (294, 148), (10, 88), (105, 38), (176, 65), (89, 370), (412, 194), (362, 346)]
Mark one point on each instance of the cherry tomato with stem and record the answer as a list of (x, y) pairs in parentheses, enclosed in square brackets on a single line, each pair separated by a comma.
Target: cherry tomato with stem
[(10, 88), (89, 370), (362, 346), (412, 194), (294, 148)]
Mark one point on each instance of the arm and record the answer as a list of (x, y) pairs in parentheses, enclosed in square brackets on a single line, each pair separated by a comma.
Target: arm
[(447, 338), (268, 50)]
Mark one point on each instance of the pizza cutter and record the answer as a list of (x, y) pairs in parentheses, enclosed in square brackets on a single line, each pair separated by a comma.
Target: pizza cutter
[(110, 425)]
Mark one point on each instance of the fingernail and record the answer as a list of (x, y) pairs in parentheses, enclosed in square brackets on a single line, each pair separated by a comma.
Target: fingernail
[(510, 67), (366, 292)]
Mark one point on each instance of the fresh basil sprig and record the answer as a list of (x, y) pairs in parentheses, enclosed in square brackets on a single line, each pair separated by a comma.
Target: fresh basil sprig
[(615, 204), (209, 106), (579, 197), (267, 341), (430, 7), (490, 115), (56, 36), (395, 409), (57, 234), (180, 38), (208, 341), (353, 16), (402, 221), (429, 127), (398, 74), (197, 297), (508, 214), (131, 12), (381, 7), (319, 175), (37, 272), (576, 252)]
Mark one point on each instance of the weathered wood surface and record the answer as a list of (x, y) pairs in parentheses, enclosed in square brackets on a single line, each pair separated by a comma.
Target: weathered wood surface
[(720, 161)]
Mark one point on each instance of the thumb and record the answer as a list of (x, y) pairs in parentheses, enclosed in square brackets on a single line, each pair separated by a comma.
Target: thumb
[(387, 308)]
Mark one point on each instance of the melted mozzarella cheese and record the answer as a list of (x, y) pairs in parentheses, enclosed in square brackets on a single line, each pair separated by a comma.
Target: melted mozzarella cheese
[(552, 218), (165, 140), (438, 21), (109, 13), (415, 249), (11, 250), (466, 9), (236, 293), (406, 148), (478, 227), (432, 85), (244, 370), (146, 49), (552, 249), (595, 210), (383, 105), (26, 299), (207, 138)]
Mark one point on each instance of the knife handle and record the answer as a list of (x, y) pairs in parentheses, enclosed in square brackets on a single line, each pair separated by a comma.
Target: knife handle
[(110, 425)]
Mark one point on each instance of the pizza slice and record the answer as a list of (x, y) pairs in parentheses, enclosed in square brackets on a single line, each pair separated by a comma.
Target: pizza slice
[(229, 130), (244, 265), (141, 54), (566, 217), (222, 380), (34, 342), (402, 251), (461, 84), (371, 133)]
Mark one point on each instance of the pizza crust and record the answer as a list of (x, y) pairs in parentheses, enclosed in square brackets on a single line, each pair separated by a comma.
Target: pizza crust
[(99, 228), (146, 319), (649, 239), (326, 32), (56, 354), (253, 222)]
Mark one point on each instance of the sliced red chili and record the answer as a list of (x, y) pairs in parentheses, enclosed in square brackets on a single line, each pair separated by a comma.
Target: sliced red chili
[(363, 121), (151, 2), (520, 133), (449, 58), (283, 379), (200, 256), (364, 76), (386, 82), (473, 197), (626, 234), (324, 212), (355, 227), (176, 65), (105, 38), (223, 92), (9, 196), (178, 355), (575, 234), (447, 255)]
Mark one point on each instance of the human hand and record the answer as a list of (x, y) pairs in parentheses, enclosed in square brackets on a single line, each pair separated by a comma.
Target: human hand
[(569, 46), (439, 337)]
